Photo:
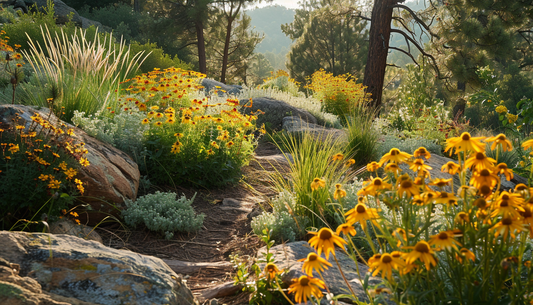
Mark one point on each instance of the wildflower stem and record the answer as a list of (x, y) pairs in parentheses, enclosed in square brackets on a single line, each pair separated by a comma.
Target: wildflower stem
[(283, 293), (344, 277)]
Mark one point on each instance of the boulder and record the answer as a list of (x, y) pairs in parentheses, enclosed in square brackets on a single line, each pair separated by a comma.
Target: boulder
[(85, 270), (67, 226), (111, 177), (287, 255), (211, 85), (86, 23), (275, 111), (296, 125), (63, 12)]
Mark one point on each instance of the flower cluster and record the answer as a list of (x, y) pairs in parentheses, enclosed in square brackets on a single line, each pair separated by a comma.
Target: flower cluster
[(37, 161), (338, 94), (482, 226)]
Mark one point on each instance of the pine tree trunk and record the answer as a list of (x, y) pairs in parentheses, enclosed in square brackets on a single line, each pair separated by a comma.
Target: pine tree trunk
[(378, 49), (202, 62), (226, 51)]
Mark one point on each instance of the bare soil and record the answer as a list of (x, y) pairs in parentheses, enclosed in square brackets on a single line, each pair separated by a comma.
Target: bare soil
[(226, 230)]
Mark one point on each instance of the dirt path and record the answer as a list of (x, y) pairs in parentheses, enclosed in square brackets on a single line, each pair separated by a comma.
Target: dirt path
[(226, 228)]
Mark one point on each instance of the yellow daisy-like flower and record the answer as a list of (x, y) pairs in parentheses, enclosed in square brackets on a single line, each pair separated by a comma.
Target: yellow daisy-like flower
[(270, 271), (507, 226), (373, 186), (54, 184), (84, 162), (507, 205), (394, 156), (360, 213), (314, 262), (13, 148), (337, 157), (406, 186), (501, 109), (372, 166), (349, 163), (385, 264), (422, 152), (527, 144), (393, 168), (145, 121), (339, 193), (511, 118), (502, 169), (484, 177), (469, 255), (500, 139), (418, 165), (304, 287), (527, 219), (325, 240), (480, 161), (317, 183), (465, 142), (444, 240), (346, 229), (229, 144), (43, 177), (440, 182), (451, 168), (176, 147), (215, 145), (446, 198), (423, 252)]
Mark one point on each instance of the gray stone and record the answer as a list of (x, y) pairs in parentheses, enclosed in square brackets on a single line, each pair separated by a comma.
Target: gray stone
[(66, 226), (287, 255), (210, 85), (296, 125), (275, 111), (63, 12), (90, 272), (86, 23)]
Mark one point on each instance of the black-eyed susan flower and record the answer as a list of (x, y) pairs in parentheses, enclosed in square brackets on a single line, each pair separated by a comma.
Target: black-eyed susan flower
[(407, 187), (230, 144), (304, 287), (465, 253), (215, 145), (507, 205), (400, 235), (339, 192), (337, 157), (502, 169), (422, 152), (176, 147), (314, 262), (444, 240), (317, 183), (373, 186), (422, 251), (480, 161), (418, 200), (158, 124), (440, 182), (500, 139), (372, 166), (145, 121), (481, 203), (385, 264), (451, 168), (349, 163), (507, 226), (446, 198), (361, 213), (394, 156), (465, 143), (346, 229), (527, 219), (393, 168), (54, 184), (527, 144), (270, 271), (484, 177), (325, 240)]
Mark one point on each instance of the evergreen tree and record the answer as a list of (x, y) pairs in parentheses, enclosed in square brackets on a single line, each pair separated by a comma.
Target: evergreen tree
[(328, 36)]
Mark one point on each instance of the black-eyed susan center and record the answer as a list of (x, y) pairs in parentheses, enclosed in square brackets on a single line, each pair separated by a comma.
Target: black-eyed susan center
[(271, 268), (325, 234), (443, 236), (465, 137), (394, 152), (386, 258), (481, 203), (480, 156), (377, 182), (485, 190), (422, 247), (507, 221), (304, 281), (312, 257), (360, 209), (406, 184), (484, 172), (501, 137)]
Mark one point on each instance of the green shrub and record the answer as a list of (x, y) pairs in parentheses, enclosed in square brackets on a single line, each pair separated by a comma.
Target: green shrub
[(282, 82), (362, 135), (161, 212), (282, 224), (157, 58)]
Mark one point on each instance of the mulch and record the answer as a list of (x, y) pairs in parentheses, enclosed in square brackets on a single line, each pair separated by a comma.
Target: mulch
[(225, 232)]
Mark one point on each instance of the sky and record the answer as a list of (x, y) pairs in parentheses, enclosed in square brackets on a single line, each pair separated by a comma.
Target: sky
[(293, 4)]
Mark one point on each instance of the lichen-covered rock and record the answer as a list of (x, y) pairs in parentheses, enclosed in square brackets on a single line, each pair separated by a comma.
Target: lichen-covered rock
[(88, 271), (111, 177), (296, 125), (210, 85), (66, 226), (275, 111)]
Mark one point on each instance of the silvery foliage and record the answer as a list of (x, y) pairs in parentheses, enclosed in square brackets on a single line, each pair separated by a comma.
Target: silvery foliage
[(162, 212)]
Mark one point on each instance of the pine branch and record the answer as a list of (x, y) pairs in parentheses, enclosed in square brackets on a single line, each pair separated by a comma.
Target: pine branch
[(409, 39), (406, 53), (416, 18)]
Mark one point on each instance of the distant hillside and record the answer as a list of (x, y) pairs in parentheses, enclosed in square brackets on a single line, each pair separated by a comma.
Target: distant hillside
[(268, 20)]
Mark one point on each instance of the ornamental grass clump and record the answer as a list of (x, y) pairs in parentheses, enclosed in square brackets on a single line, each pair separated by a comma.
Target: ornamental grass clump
[(163, 213), (479, 253), (338, 94), (39, 164)]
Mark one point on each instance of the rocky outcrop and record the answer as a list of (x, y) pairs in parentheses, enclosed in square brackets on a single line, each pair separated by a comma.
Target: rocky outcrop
[(287, 255), (296, 125), (111, 177), (275, 111), (87, 271), (67, 226), (210, 85)]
